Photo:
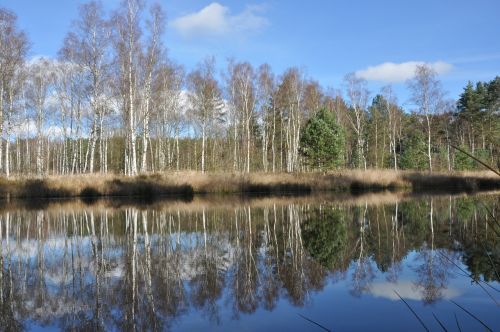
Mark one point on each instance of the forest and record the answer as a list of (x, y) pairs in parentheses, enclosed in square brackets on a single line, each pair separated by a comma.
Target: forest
[(114, 102)]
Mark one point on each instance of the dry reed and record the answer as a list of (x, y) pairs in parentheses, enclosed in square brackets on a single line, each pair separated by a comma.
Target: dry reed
[(186, 184)]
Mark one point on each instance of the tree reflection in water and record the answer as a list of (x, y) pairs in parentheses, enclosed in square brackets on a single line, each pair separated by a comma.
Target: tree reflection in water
[(100, 268), (432, 270)]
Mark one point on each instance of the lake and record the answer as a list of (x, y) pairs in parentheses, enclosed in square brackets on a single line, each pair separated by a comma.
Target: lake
[(384, 262)]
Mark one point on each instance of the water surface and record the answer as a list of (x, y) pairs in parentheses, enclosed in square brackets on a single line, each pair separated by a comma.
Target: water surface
[(261, 264)]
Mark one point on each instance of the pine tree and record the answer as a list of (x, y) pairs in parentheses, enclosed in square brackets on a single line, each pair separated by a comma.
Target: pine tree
[(462, 161), (322, 141), (413, 154)]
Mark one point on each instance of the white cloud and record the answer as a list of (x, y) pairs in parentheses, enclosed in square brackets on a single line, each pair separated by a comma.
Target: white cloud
[(216, 20), (55, 131), (26, 128), (399, 72)]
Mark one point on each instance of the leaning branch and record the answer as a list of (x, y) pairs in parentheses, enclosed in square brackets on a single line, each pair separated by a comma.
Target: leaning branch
[(476, 159)]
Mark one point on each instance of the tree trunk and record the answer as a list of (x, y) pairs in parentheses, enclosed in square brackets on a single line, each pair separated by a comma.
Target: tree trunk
[(273, 141), (1, 121), (145, 130), (203, 149), (39, 158), (102, 156), (177, 161), (7, 152), (264, 146), (429, 143), (131, 129), (235, 147), (91, 149), (248, 145)]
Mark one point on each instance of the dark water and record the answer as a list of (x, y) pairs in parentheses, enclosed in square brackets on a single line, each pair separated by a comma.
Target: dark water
[(262, 264)]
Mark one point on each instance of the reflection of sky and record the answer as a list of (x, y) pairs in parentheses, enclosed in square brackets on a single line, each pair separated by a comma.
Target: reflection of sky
[(407, 289), (406, 285), (377, 307), (55, 248)]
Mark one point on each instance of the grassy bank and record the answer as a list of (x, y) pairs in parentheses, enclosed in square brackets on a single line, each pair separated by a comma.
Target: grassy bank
[(187, 184)]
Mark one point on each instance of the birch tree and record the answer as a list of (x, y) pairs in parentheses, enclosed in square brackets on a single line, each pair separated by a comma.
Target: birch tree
[(233, 115), (87, 46), (15, 104), (169, 115), (39, 85), (72, 92), (313, 98), (358, 96), (13, 49), (427, 95), (68, 86), (149, 64), (394, 115), (290, 98), (127, 43), (243, 100), (266, 89), (206, 103)]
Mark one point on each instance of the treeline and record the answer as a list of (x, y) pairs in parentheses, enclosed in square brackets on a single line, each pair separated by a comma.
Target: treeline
[(113, 101)]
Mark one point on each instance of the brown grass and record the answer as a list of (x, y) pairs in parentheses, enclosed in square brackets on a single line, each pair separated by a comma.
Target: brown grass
[(186, 184)]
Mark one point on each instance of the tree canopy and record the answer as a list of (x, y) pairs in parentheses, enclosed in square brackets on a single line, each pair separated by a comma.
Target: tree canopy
[(322, 141), (113, 101)]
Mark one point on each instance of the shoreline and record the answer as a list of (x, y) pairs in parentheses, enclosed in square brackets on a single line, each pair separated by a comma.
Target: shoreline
[(186, 184), (224, 201)]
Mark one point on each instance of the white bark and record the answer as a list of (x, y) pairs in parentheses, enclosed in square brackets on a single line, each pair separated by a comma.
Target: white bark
[(358, 95), (427, 95), (203, 149)]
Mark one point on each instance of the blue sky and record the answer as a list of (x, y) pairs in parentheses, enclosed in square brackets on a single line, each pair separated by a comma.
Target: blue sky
[(380, 40)]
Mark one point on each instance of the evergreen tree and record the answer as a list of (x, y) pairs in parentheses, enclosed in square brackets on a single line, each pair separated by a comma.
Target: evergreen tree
[(322, 141), (413, 154), (325, 236), (462, 161)]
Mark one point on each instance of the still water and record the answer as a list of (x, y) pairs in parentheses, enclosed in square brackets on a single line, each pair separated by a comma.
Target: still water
[(234, 264)]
